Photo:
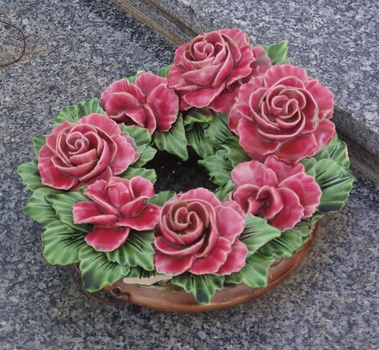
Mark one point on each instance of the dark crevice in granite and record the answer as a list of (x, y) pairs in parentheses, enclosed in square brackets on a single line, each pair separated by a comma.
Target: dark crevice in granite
[(157, 18)]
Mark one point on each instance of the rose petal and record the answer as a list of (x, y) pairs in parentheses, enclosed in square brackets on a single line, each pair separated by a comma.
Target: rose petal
[(166, 106), (84, 212), (212, 263), (255, 173), (291, 213), (119, 96), (125, 156), (52, 177), (101, 164), (243, 68), (236, 259), (278, 72), (102, 122), (172, 265), (165, 247), (296, 149), (242, 196), (176, 81), (133, 115), (99, 194), (146, 220), (202, 77), (224, 102), (229, 223), (270, 203), (203, 97), (141, 187), (151, 118), (105, 175), (107, 239), (323, 97), (133, 207), (307, 189), (83, 157), (253, 143), (202, 194), (147, 82), (324, 134), (283, 170)]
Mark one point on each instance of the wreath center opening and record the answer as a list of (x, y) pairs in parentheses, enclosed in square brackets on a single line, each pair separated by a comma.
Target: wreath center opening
[(177, 175)]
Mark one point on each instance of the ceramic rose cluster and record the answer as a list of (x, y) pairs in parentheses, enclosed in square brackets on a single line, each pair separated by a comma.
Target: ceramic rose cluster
[(261, 127), (279, 113)]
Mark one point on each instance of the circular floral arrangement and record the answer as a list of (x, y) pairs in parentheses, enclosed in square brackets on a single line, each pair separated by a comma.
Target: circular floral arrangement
[(261, 128)]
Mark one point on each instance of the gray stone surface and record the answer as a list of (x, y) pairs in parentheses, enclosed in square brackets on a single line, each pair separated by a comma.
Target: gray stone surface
[(74, 50), (336, 41)]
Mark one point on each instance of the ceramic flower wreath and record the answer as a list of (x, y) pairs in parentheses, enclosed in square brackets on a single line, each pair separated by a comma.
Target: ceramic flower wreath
[(262, 129)]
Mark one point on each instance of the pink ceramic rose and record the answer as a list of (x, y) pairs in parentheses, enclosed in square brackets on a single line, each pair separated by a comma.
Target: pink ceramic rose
[(283, 112), (260, 65), (148, 103), (280, 193), (118, 205), (80, 153), (208, 70), (199, 233)]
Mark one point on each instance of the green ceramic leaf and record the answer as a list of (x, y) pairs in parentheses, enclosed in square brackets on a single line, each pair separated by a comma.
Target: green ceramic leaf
[(202, 287), (309, 165), (74, 112), (336, 150), (63, 204), (146, 156), (283, 246), (30, 175), (161, 198), (97, 270), (254, 274), (132, 77), (62, 244), (163, 72), (199, 142), (235, 152), (278, 52), (148, 174), (196, 121), (141, 136), (218, 167), (38, 142), (197, 115), (173, 141), (314, 219), (223, 191), (39, 206), (291, 240), (138, 272), (306, 226), (336, 182), (257, 232), (218, 130), (136, 251)]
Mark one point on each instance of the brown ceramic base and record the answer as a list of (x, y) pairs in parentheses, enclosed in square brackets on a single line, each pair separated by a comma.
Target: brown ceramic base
[(168, 298)]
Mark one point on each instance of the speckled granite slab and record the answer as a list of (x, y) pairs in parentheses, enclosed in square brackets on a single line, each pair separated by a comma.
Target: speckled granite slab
[(74, 50), (337, 42)]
